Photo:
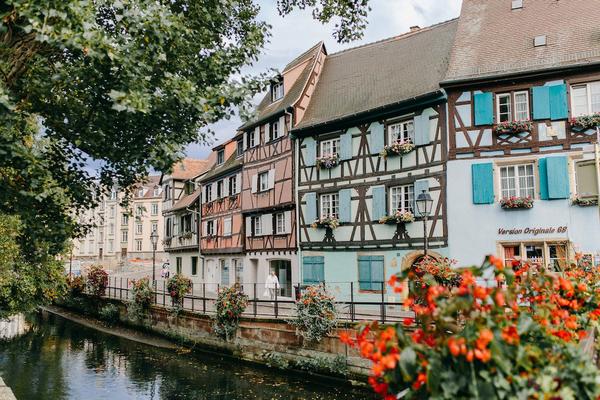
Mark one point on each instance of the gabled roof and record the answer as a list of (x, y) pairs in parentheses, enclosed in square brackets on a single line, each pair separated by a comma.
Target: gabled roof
[(189, 168), (186, 201), (230, 164), (493, 40), (380, 74), (266, 108)]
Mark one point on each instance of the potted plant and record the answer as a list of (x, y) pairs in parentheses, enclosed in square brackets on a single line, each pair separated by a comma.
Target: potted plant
[(516, 202), (585, 201), (328, 161), (397, 218), (230, 305), (178, 286), (329, 222), (585, 122), (512, 127), (399, 147)]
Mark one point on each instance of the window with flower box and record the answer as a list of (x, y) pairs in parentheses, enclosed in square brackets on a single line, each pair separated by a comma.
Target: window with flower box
[(402, 131), (512, 106), (517, 181), (585, 99), (330, 147), (402, 198), (329, 205), (552, 255)]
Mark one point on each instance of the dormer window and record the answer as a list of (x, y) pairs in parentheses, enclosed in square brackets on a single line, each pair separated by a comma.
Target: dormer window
[(156, 191), (141, 192), (277, 90), (220, 157), (240, 148)]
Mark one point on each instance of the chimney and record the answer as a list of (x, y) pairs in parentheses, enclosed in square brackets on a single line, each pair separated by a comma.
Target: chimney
[(415, 28)]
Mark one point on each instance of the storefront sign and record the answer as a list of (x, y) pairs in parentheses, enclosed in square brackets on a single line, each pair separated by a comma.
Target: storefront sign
[(533, 231)]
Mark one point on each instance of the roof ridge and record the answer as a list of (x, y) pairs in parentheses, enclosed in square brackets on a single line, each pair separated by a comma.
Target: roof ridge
[(397, 37), (296, 60)]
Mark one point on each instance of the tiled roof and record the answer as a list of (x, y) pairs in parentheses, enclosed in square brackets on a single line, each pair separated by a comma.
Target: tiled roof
[(189, 168), (186, 201), (379, 74), (492, 39), (230, 164), (266, 108)]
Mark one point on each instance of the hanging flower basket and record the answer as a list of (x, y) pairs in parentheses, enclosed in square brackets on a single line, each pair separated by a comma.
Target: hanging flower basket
[(398, 148), (514, 202), (513, 127), (328, 161), (326, 223), (585, 122), (585, 201), (397, 218)]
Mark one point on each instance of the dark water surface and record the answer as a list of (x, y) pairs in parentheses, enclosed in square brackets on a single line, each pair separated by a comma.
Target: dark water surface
[(57, 359)]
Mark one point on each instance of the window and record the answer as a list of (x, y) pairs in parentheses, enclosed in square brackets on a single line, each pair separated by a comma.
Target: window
[(111, 229), (240, 148), (251, 138), (507, 102), (189, 187), (585, 179), (138, 245), (168, 227), (517, 180), (141, 192), (154, 209), (220, 157), (402, 131), (139, 211), (167, 192), (219, 189), (280, 223), (156, 192), (256, 225), (263, 181), (238, 269), (154, 226), (329, 205), (139, 228), (111, 246), (124, 236), (224, 272), (401, 198), (185, 223), (178, 264), (113, 194), (277, 90), (194, 260), (232, 185), (313, 270), (112, 212), (210, 228), (330, 147), (585, 99), (227, 226), (208, 193), (124, 219), (370, 273), (552, 255), (275, 130)]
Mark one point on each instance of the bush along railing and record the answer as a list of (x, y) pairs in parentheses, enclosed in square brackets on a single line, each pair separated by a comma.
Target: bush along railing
[(330, 222), (141, 299), (397, 148), (515, 202), (585, 122), (328, 161), (585, 201), (316, 315), (178, 286), (97, 281), (229, 307), (519, 339), (397, 218), (513, 127), (76, 285)]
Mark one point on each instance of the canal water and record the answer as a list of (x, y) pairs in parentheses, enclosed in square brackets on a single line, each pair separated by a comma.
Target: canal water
[(47, 357)]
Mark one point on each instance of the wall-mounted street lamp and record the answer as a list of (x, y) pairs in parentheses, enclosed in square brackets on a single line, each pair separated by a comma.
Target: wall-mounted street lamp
[(424, 205)]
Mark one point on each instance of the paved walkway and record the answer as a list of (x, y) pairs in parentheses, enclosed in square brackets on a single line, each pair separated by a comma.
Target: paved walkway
[(5, 392)]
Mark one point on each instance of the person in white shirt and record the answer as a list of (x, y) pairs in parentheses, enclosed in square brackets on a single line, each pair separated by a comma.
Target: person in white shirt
[(271, 285)]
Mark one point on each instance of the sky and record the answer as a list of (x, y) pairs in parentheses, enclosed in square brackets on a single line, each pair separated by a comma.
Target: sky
[(297, 32)]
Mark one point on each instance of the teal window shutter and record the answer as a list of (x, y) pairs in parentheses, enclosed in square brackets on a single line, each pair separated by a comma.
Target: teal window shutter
[(370, 272), (313, 269), (310, 209), (543, 172), (346, 146), (310, 154), (484, 108), (558, 177), (345, 210), (482, 176), (364, 273), (419, 186), (376, 138), (541, 102), (378, 211), (377, 273), (558, 102)]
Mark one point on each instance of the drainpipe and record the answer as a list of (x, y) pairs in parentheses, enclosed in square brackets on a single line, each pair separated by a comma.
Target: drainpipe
[(295, 170)]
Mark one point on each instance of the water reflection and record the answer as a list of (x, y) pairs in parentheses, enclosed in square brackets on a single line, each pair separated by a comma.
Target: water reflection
[(14, 326), (63, 360)]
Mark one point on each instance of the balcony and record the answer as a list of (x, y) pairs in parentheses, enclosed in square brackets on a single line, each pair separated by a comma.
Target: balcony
[(184, 240)]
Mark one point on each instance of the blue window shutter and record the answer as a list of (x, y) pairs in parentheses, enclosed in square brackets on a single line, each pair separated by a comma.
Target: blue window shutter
[(543, 172), (346, 146), (345, 196), (364, 273), (378, 206), (541, 102), (482, 176), (376, 138), (484, 108), (310, 209), (558, 102), (558, 177), (377, 273), (310, 155), (313, 269), (420, 130), (419, 186)]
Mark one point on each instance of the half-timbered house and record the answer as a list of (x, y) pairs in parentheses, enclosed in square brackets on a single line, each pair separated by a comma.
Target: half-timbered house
[(372, 138), (523, 86), (222, 240), (268, 190)]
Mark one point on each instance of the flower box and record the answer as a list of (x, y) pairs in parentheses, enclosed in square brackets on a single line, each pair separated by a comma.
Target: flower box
[(585, 122), (397, 218), (515, 203), (328, 161), (585, 201), (398, 148), (513, 127), (326, 223)]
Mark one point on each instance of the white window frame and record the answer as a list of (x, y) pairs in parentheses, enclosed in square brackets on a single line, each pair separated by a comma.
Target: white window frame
[(516, 111), (280, 223), (263, 181), (256, 221), (588, 96), (220, 157), (154, 227), (510, 113), (252, 139), (139, 210), (277, 91), (239, 148), (138, 245), (274, 130), (227, 221), (546, 260), (517, 184), (329, 147), (210, 228), (329, 205), (232, 184), (156, 192), (220, 187), (403, 130), (141, 192), (154, 209), (139, 228), (402, 198), (512, 106), (124, 236), (208, 193)]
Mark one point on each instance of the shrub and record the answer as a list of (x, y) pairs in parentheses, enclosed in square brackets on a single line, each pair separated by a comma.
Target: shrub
[(327, 365), (316, 316), (109, 313), (178, 286), (230, 305), (97, 281), (76, 285), (141, 299), (429, 272), (516, 340)]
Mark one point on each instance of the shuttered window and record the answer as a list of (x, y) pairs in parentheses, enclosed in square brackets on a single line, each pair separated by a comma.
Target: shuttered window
[(585, 99), (313, 270), (402, 198), (587, 183), (482, 176), (371, 273), (402, 131), (484, 108), (517, 180), (329, 205)]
